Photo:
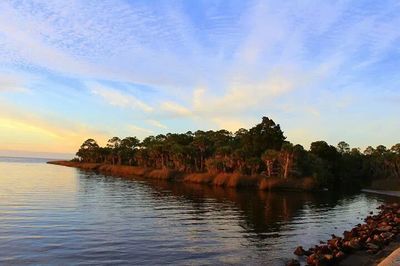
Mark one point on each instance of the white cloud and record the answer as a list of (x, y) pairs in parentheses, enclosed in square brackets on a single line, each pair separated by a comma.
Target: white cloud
[(118, 98), (100, 40), (232, 123), (12, 83), (156, 123), (175, 109), (232, 67), (140, 131)]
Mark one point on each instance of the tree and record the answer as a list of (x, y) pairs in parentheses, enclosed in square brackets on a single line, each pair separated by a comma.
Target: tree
[(128, 147), (266, 135), (115, 145), (369, 150), (202, 144), (270, 157), (253, 164), (262, 148), (329, 161), (324, 150), (396, 149), (286, 157), (89, 151), (380, 150), (343, 147)]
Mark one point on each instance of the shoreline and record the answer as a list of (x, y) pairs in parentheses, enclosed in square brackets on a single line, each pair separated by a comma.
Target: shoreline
[(231, 180), (375, 242)]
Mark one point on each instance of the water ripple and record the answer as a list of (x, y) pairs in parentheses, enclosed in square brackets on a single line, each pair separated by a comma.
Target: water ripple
[(51, 215)]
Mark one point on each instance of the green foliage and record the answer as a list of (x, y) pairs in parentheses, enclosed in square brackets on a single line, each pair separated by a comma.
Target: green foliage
[(343, 147), (260, 150), (89, 151)]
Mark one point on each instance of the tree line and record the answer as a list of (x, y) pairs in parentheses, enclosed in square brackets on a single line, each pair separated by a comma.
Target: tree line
[(262, 149)]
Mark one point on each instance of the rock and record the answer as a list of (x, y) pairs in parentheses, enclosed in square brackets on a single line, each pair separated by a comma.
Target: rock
[(299, 251), (293, 262), (347, 235), (311, 259), (335, 242), (324, 249), (386, 235), (377, 239), (340, 255), (383, 223), (385, 228), (353, 244), (377, 231), (372, 246), (328, 257)]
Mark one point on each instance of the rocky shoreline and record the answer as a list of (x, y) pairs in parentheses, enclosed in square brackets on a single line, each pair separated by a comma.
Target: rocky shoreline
[(365, 244), (233, 180)]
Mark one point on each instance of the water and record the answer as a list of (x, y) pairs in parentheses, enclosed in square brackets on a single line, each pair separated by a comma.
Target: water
[(54, 215)]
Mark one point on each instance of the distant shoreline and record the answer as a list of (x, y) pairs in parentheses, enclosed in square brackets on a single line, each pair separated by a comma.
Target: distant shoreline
[(232, 180)]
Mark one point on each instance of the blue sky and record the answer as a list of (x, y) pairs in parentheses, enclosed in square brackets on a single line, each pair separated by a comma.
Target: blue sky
[(70, 70)]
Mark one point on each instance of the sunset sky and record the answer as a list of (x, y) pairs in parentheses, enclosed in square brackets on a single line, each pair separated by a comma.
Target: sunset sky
[(323, 70)]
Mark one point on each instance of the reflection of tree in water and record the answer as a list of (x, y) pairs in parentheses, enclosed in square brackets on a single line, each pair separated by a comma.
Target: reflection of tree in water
[(262, 212)]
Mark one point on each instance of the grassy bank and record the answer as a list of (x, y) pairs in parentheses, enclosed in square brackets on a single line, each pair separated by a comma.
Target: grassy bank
[(233, 180)]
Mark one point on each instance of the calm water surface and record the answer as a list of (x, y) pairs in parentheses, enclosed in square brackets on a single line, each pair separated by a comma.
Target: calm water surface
[(54, 215)]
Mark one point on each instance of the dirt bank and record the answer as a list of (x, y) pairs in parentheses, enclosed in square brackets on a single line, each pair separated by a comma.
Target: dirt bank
[(233, 180)]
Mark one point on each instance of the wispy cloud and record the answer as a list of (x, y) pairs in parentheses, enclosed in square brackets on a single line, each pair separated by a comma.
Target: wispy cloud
[(118, 98), (140, 131), (175, 109), (156, 123), (215, 64), (12, 83)]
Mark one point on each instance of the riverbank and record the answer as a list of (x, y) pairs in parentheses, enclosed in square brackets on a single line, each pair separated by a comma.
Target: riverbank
[(233, 180)]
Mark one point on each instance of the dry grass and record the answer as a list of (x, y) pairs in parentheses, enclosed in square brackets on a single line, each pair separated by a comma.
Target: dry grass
[(123, 170), (237, 180), (273, 183), (221, 179), (233, 180), (199, 178), (164, 174)]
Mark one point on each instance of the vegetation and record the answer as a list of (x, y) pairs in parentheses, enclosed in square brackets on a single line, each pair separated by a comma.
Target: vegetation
[(261, 150)]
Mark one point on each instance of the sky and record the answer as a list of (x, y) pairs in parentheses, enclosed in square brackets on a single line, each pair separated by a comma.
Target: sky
[(72, 70)]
